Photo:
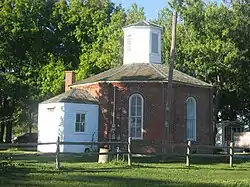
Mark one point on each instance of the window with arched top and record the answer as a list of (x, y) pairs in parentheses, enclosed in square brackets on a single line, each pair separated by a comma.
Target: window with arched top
[(191, 119), (136, 116)]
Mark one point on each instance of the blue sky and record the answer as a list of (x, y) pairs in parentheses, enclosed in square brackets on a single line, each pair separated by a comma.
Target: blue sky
[(151, 7)]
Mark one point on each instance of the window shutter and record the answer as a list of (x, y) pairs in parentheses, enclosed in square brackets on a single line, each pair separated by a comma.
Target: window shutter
[(155, 43)]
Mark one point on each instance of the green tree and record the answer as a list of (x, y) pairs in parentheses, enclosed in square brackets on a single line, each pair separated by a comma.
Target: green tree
[(240, 36), (212, 46), (165, 20), (135, 14), (40, 39), (52, 77), (98, 30), (27, 36)]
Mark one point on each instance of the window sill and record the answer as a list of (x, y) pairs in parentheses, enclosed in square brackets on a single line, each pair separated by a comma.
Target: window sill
[(152, 53), (191, 140), (80, 133), (136, 138)]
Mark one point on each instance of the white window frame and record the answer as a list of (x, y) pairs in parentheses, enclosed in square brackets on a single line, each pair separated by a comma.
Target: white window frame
[(75, 123), (158, 42), (193, 118), (142, 115)]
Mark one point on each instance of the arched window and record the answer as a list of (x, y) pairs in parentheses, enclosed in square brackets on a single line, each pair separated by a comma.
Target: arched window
[(136, 116), (191, 119)]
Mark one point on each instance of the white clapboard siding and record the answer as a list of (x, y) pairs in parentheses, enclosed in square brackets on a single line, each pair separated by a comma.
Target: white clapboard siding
[(58, 119), (91, 125), (138, 45), (49, 119)]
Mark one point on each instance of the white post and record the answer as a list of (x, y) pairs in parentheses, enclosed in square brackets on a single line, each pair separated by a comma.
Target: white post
[(129, 151), (231, 153), (117, 153), (188, 154)]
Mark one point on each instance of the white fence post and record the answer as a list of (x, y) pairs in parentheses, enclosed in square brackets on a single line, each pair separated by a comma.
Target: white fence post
[(117, 153), (58, 153), (231, 153), (188, 154), (129, 151)]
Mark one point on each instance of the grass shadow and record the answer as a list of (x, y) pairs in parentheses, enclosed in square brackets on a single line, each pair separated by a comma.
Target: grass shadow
[(111, 181), (197, 160), (192, 167), (109, 175)]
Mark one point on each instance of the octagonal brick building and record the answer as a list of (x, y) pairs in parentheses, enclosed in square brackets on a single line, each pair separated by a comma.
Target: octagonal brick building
[(131, 98)]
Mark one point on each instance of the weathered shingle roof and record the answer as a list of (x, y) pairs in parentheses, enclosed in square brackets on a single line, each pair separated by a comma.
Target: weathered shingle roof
[(143, 72), (143, 23), (73, 96)]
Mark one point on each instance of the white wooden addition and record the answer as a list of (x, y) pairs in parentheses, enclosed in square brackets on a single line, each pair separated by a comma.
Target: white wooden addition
[(60, 119)]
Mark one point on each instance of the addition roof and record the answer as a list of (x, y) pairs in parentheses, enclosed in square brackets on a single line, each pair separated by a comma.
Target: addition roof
[(143, 23), (73, 96), (143, 72)]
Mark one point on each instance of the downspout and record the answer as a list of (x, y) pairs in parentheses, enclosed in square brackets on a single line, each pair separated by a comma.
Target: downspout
[(114, 108), (215, 112), (164, 112), (211, 121), (114, 102)]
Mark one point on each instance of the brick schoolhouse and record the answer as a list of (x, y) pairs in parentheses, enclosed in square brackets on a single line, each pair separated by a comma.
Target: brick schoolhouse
[(131, 99)]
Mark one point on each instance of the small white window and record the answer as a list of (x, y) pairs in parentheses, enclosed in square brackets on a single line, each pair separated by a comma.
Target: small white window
[(191, 119), (80, 123), (136, 116), (129, 43), (155, 43)]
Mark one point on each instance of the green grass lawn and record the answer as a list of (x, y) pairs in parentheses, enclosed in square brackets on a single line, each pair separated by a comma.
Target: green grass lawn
[(33, 170)]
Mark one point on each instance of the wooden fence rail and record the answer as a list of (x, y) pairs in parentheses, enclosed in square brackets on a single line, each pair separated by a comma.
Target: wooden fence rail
[(11, 145), (129, 151), (230, 155), (58, 143)]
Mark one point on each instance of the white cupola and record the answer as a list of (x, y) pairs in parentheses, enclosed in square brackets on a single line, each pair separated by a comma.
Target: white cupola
[(142, 43)]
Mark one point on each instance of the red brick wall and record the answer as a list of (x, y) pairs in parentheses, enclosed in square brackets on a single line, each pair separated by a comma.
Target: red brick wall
[(203, 99), (154, 95)]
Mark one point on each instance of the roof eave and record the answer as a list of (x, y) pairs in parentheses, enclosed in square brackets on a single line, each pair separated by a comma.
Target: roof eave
[(134, 81), (147, 25)]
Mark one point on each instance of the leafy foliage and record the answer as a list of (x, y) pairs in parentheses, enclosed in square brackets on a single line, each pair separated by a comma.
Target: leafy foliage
[(40, 39), (212, 46), (135, 14)]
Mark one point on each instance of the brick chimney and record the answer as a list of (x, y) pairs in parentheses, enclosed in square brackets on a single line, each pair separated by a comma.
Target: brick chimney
[(69, 79)]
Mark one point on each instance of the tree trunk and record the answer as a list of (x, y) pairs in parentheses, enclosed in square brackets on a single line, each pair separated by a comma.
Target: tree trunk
[(2, 131), (8, 136)]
